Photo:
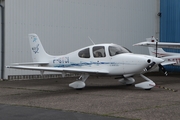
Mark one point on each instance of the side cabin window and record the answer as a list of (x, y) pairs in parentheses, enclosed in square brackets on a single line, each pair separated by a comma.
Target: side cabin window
[(116, 49), (99, 51), (84, 53)]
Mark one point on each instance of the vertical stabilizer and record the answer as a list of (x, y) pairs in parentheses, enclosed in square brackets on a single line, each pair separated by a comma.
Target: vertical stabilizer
[(37, 50)]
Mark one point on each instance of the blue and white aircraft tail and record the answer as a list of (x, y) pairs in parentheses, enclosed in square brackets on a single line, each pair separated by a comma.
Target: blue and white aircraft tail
[(37, 51)]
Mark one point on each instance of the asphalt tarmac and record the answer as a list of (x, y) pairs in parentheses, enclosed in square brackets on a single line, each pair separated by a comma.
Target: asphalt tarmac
[(11, 112), (102, 98)]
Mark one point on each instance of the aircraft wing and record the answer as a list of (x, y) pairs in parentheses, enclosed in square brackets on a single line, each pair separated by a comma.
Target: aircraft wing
[(160, 45), (168, 63), (172, 58), (57, 69), (32, 63)]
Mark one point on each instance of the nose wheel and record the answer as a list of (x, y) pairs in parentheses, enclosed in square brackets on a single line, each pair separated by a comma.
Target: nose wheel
[(147, 85)]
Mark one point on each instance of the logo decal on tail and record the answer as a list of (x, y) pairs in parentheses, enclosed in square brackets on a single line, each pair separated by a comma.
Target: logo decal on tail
[(35, 49), (33, 38)]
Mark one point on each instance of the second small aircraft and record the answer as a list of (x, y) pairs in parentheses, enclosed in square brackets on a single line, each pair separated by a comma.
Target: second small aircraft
[(156, 49)]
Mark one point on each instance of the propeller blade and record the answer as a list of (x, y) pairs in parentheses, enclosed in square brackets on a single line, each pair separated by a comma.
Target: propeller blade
[(161, 68), (149, 66)]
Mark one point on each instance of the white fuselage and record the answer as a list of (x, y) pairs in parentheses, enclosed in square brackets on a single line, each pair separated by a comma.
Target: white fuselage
[(120, 64)]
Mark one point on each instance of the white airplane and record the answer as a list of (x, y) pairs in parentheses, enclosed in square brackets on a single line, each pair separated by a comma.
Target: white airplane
[(98, 59), (155, 49)]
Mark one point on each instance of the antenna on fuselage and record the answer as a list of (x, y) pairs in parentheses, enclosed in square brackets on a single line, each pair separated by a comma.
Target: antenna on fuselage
[(91, 40)]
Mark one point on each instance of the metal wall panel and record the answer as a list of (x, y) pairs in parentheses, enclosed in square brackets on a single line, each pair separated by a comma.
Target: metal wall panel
[(64, 25), (170, 25), (2, 39), (1, 70)]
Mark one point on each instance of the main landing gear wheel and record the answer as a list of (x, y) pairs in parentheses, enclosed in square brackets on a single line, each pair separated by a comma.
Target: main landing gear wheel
[(147, 85), (80, 83), (78, 88), (148, 89), (129, 84)]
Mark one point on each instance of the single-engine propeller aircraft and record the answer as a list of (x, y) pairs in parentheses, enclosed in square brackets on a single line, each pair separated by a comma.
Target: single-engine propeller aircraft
[(99, 59), (155, 49)]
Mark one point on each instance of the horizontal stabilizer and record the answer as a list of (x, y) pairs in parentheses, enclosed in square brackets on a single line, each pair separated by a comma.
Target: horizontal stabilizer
[(168, 63)]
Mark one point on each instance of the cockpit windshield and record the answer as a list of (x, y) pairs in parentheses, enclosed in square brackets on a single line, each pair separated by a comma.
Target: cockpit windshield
[(117, 49)]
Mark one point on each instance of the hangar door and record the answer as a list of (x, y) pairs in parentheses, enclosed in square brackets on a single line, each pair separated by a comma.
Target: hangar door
[(170, 25)]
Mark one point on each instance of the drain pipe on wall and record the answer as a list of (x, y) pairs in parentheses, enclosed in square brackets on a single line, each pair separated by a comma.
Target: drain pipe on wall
[(2, 42)]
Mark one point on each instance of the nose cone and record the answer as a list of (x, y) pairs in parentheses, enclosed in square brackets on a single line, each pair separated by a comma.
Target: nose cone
[(157, 60)]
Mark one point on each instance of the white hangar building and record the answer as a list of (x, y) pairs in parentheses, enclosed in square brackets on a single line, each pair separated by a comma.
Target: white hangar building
[(64, 26)]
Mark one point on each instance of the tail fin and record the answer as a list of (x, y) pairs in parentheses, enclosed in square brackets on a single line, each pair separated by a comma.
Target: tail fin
[(152, 50), (37, 50)]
